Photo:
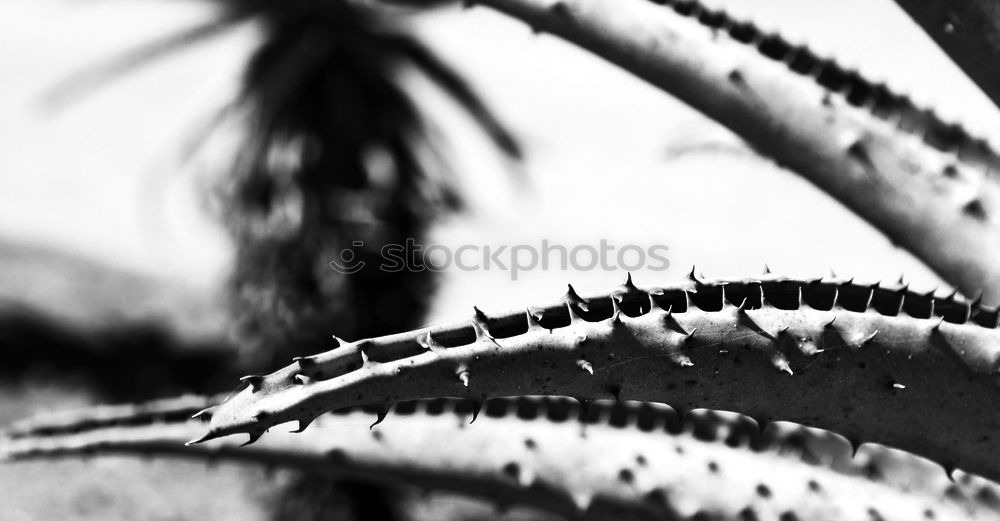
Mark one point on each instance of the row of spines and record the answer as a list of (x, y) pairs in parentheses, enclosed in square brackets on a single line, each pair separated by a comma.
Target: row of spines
[(877, 98)]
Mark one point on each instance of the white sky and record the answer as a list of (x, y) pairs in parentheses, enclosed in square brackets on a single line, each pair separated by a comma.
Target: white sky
[(101, 178)]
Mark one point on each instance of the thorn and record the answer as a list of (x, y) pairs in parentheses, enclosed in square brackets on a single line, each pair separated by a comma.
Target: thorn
[(367, 362), (977, 300), (722, 295), (572, 298), (302, 425), (304, 360), (254, 436), (379, 416), (671, 323), (534, 318), (693, 277), (767, 269), (584, 407), (204, 412), (652, 301), (830, 323), (254, 380), (615, 319), (814, 280), (585, 365), (203, 438), (463, 376), (302, 379), (627, 291), (480, 323), (936, 328), (627, 287), (476, 407), (857, 340), (428, 342), (688, 303), (743, 317)]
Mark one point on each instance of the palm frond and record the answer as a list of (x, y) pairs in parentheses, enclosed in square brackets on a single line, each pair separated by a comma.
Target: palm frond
[(449, 80), (82, 83)]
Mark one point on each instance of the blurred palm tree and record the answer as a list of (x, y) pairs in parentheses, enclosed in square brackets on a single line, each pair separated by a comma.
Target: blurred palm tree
[(335, 153), (337, 157)]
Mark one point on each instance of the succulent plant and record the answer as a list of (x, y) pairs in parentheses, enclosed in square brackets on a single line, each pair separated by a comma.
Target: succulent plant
[(880, 356), (876, 363), (622, 460)]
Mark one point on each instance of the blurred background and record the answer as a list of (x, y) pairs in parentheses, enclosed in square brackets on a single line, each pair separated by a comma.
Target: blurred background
[(142, 255)]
